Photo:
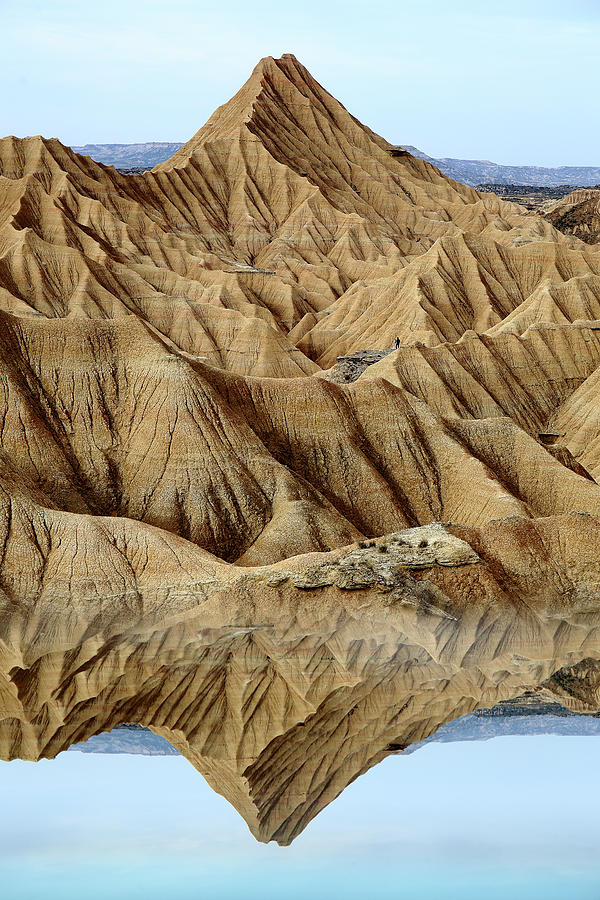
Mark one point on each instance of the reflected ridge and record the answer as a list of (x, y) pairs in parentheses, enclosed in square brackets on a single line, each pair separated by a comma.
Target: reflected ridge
[(281, 684)]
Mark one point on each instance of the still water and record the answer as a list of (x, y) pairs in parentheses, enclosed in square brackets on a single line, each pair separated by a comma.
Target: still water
[(512, 817)]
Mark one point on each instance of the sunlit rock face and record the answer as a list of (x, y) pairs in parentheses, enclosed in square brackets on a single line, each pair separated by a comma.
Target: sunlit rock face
[(298, 447), (211, 348)]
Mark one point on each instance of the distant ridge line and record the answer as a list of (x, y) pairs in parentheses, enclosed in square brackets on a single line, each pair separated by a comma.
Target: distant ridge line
[(130, 155), (472, 172)]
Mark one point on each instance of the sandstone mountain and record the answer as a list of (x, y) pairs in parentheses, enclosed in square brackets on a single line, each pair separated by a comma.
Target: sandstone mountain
[(192, 482), (272, 239), (161, 335)]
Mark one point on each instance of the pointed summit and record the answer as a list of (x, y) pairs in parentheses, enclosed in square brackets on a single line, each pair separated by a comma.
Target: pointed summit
[(290, 68), (278, 95)]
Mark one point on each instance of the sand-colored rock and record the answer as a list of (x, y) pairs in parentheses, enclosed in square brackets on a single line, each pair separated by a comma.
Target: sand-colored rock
[(102, 417), (226, 501), (283, 209), (578, 214)]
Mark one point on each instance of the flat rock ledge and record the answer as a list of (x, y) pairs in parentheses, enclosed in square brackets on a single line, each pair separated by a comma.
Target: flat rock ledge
[(382, 562), (349, 368)]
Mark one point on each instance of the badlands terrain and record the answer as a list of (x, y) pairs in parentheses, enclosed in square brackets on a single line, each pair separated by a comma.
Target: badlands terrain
[(231, 508)]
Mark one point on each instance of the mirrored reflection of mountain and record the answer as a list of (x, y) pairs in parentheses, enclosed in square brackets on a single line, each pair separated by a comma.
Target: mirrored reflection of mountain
[(534, 713), (281, 684), (127, 739), (482, 725)]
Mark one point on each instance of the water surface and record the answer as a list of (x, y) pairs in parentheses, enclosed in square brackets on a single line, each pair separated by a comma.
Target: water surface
[(509, 817)]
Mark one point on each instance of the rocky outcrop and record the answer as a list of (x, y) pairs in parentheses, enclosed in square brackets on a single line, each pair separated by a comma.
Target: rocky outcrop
[(376, 563), (578, 214), (349, 368)]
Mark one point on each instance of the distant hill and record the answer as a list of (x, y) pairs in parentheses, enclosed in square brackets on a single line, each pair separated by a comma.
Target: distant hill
[(468, 171), (127, 739), (125, 156), (482, 725), (480, 171), (521, 716)]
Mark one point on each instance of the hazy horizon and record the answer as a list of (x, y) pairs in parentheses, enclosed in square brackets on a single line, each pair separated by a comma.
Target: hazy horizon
[(511, 83)]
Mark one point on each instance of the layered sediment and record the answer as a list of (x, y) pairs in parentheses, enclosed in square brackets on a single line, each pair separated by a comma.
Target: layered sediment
[(299, 443), (578, 214)]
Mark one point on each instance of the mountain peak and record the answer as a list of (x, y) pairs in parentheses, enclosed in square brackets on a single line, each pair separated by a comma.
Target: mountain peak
[(285, 59), (287, 64), (277, 86)]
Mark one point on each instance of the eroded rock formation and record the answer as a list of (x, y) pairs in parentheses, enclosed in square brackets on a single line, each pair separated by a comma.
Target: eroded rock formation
[(578, 213), (205, 433)]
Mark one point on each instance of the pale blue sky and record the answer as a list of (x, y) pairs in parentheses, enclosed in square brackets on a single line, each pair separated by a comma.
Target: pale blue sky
[(516, 817), (515, 81)]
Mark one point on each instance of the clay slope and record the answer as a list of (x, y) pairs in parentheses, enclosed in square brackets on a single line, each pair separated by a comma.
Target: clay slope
[(104, 418)]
